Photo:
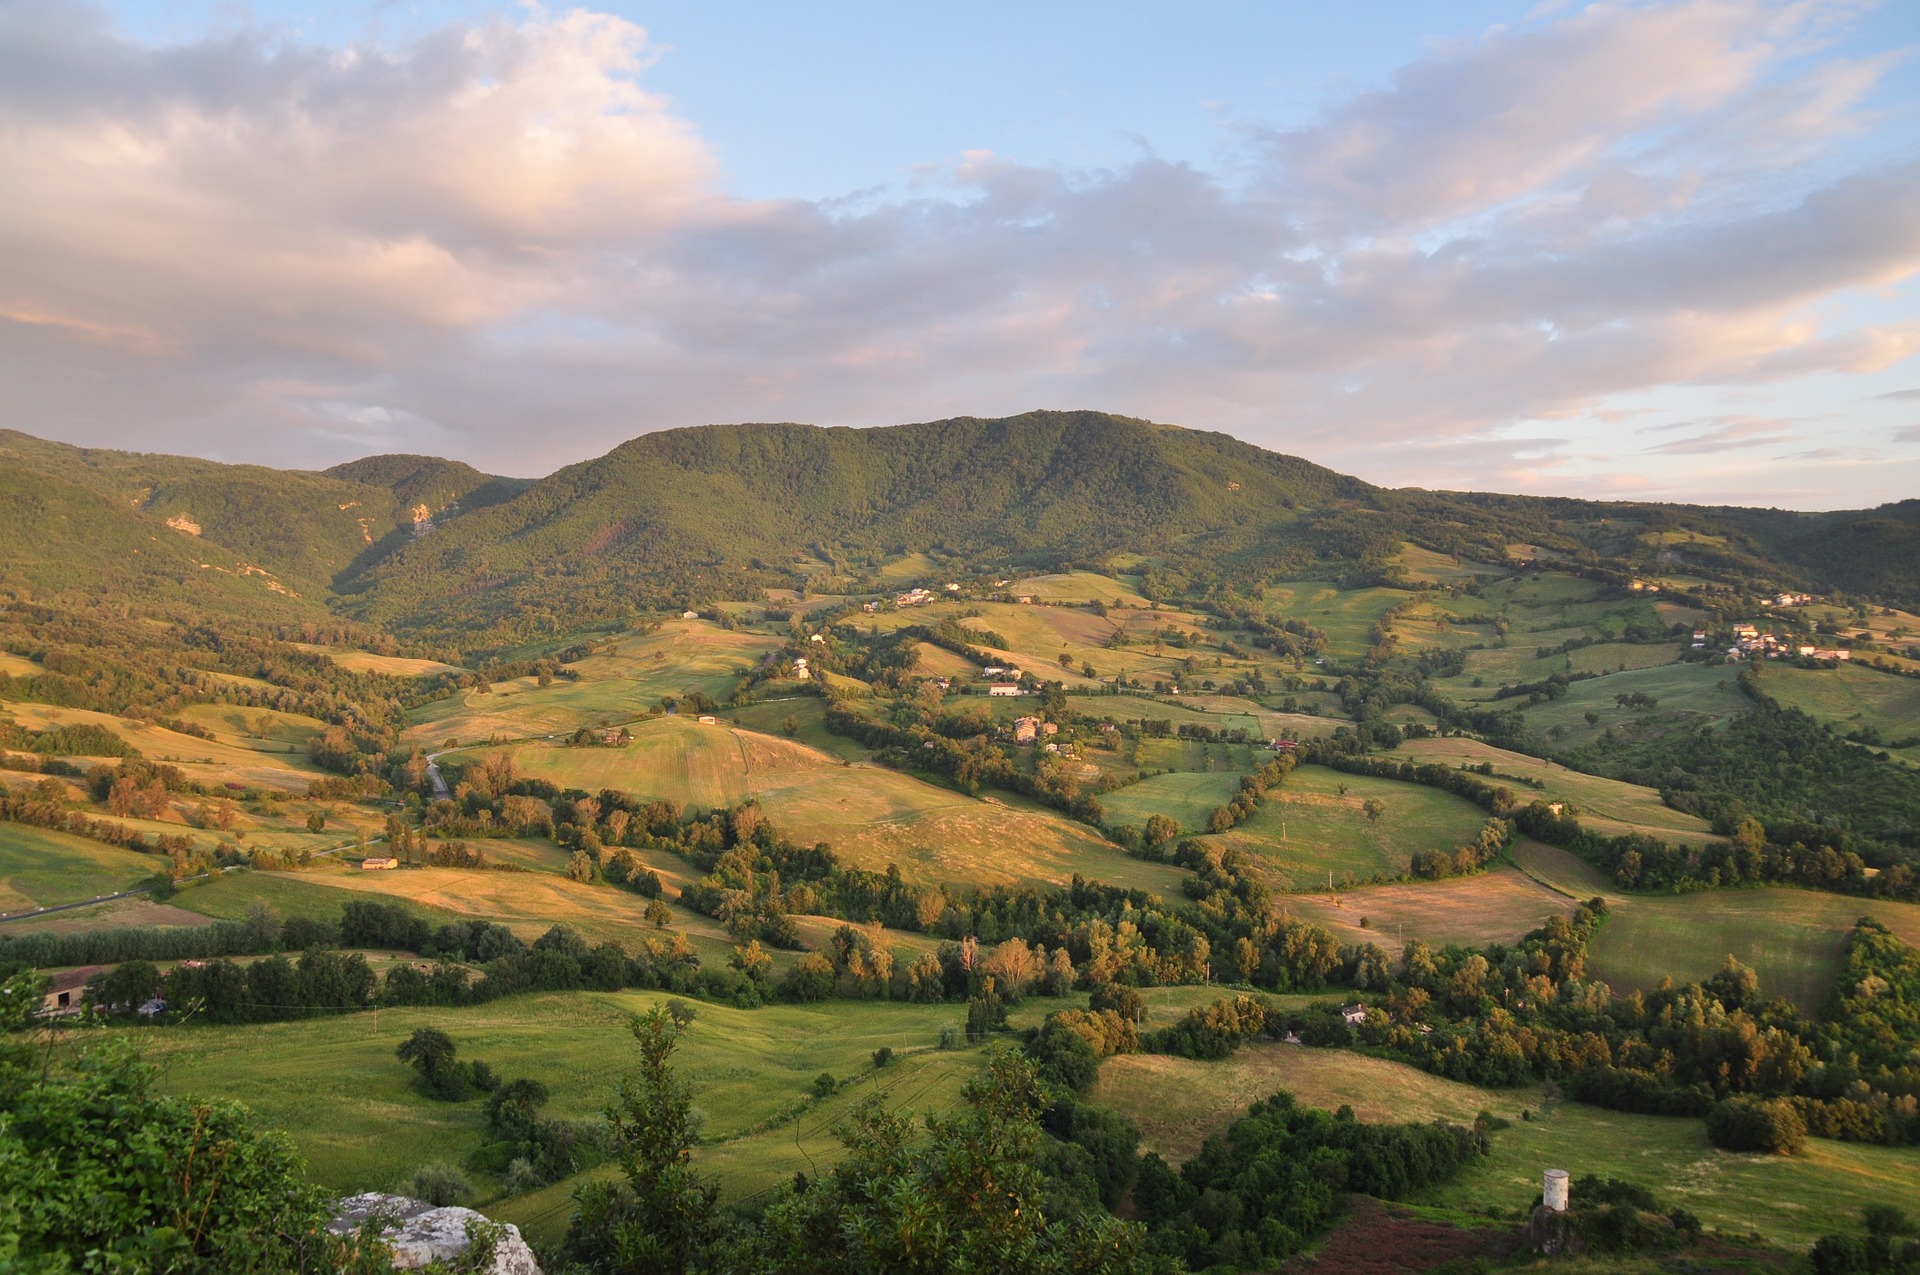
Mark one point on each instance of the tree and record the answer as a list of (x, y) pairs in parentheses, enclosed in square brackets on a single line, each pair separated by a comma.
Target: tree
[(99, 1172), (969, 1196), (1161, 830), (662, 1216), (431, 1052), (1374, 809)]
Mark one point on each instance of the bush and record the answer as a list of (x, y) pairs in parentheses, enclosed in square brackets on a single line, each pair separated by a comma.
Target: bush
[(439, 1184), (949, 1036), (1773, 1127), (824, 1084), (882, 1056)]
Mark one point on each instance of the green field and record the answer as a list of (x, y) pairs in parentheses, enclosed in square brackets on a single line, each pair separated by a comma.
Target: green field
[(871, 816), (1186, 798), (1076, 586), (807, 713), (40, 868), (617, 686), (1793, 938), (1308, 827), (1851, 697), (1347, 617), (213, 761), (350, 1106), (1789, 1201), (1688, 695), (1605, 805)]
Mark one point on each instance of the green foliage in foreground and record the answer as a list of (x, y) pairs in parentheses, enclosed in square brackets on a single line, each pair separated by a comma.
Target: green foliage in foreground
[(966, 1197), (100, 1173)]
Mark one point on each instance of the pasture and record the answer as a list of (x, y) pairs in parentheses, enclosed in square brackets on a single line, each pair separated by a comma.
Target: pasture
[(1606, 805), (1688, 695), (1789, 1201), (367, 662), (1186, 798), (224, 759), (615, 685), (1851, 698), (40, 868), (1077, 586), (334, 1085), (1178, 1102), (1792, 938), (1497, 906), (873, 817), (1316, 822)]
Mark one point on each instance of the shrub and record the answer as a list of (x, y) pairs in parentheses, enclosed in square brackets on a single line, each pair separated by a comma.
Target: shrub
[(1774, 1126), (824, 1084), (882, 1056), (439, 1184)]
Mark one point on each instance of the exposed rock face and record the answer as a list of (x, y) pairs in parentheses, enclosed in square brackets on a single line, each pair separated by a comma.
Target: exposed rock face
[(422, 1234)]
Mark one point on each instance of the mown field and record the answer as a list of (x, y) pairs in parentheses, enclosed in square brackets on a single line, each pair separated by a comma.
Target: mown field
[(1317, 822), (1793, 938), (1688, 696), (1605, 805), (1496, 906), (619, 685), (224, 759), (871, 816), (39, 868)]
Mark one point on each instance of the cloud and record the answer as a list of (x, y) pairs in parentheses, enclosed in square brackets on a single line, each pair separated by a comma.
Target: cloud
[(1907, 434), (1723, 434), (495, 242)]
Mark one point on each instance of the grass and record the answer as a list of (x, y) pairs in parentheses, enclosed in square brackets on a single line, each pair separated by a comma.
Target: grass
[(212, 761), (1851, 697), (1689, 695), (1309, 826), (1493, 907), (1076, 586), (1186, 798), (873, 817), (1177, 1102), (1792, 938), (1347, 617), (351, 1107), (1607, 805), (368, 662), (616, 685), (1789, 1201), (40, 868)]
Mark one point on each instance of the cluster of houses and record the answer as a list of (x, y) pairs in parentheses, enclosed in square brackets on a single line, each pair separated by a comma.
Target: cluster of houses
[(1793, 599), (1028, 729), (1749, 643), (1645, 586)]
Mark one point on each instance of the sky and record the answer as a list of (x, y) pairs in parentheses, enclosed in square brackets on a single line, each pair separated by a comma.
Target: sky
[(1624, 250)]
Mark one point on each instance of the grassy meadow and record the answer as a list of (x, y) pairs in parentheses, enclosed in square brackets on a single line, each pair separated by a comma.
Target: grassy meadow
[(616, 685), (871, 816), (41, 868), (335, 1086), (1177, 1102), (1316, 822)]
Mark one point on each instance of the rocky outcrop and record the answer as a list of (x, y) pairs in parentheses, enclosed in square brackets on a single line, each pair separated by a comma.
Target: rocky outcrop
[(421, 1233)]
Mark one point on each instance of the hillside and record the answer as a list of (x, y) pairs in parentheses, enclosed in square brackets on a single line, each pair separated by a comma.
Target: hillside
[(305, 527), (438, 550)]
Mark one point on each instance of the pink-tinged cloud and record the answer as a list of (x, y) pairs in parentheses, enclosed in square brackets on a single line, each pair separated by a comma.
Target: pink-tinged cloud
[(496, 242)]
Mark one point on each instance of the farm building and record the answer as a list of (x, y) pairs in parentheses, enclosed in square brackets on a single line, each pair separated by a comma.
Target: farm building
[(1004, 688), (1025, 729), (63, 994), (374, 863), (1354, 1015), (708, 719)]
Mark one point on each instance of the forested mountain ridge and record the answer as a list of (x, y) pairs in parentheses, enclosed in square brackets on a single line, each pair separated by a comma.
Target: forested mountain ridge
[(308, 529), (685, 515)]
